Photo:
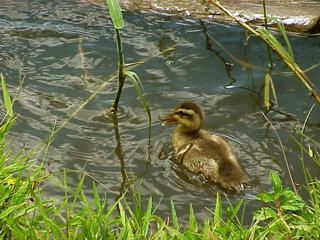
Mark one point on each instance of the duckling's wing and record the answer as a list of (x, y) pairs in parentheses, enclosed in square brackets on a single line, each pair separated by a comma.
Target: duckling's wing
[(229, 173), (217, 149), (191, 155)]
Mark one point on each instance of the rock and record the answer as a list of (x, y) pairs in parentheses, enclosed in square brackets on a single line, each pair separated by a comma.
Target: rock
[(297, 15), (301, 16)]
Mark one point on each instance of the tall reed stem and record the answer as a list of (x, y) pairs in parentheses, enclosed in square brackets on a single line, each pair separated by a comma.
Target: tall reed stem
[(266, 26), (293, 67), (121, 74)]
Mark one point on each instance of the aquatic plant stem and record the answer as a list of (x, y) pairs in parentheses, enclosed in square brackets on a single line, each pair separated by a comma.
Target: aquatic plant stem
[(269, 40), (305, 173), (121, 74), (282, 149), (266, 26)]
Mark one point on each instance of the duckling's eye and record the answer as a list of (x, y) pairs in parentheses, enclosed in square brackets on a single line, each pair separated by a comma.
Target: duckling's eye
[(181, 113)]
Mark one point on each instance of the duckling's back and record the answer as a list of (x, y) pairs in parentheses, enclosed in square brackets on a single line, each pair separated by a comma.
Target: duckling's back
[(202, 152)]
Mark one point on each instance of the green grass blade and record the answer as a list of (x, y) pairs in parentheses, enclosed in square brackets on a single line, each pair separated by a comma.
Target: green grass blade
[(48, 222), (192, 220), (175, 222), (6, 97), (218, 210), (9, 210), (146, 219), (122, 214), (176, 233), (78, 192), (234, 210), (96, 197), (114, 205), (148, 212), (115, 13), (206, 231), (6, 127)]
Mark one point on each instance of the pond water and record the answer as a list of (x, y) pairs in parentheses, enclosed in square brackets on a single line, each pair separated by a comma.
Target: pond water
[(67, 50)]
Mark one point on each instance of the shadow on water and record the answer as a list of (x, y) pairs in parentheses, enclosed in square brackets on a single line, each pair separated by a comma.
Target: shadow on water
[(209, 47), (66, 53), (120, 155)]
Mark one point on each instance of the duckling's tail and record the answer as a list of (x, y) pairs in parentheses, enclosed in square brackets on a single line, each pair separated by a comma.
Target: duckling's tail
[(235, 181)]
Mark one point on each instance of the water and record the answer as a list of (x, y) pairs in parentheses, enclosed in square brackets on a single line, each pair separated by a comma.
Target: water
[(67, 50)]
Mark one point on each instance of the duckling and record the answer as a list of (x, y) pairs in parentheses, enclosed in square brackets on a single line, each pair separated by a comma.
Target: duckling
[(203, 152)]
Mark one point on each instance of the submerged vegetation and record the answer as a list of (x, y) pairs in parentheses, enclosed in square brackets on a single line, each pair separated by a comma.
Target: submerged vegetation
[(26, 214)]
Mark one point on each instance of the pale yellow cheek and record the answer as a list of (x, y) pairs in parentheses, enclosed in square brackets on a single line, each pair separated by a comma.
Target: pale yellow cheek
[(197, 121), (182, 122)]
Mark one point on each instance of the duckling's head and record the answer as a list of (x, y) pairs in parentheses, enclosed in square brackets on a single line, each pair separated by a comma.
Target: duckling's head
[(187, 115)]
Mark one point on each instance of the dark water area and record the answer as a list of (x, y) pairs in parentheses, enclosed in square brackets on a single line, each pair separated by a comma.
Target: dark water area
[(67, 50)]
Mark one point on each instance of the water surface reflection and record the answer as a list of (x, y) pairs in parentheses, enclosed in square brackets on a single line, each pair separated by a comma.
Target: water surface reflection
[(67, 51)]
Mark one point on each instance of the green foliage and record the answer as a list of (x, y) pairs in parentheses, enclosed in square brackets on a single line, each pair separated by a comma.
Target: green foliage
[(14, 195), (5, 124), (287, 214), (25, 214)]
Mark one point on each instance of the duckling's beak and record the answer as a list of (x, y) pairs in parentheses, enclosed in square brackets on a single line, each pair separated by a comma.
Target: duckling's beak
[(169, 120)]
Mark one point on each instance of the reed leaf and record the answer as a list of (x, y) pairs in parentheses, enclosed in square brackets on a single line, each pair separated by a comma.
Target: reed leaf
[(140, 91), (268, 82), (266, 97), (263, 34), (273, 89), (275, 44), (284, 34), (115, 13)]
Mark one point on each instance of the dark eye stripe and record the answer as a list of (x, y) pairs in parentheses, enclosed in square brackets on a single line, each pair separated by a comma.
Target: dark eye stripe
[(183, 113)]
